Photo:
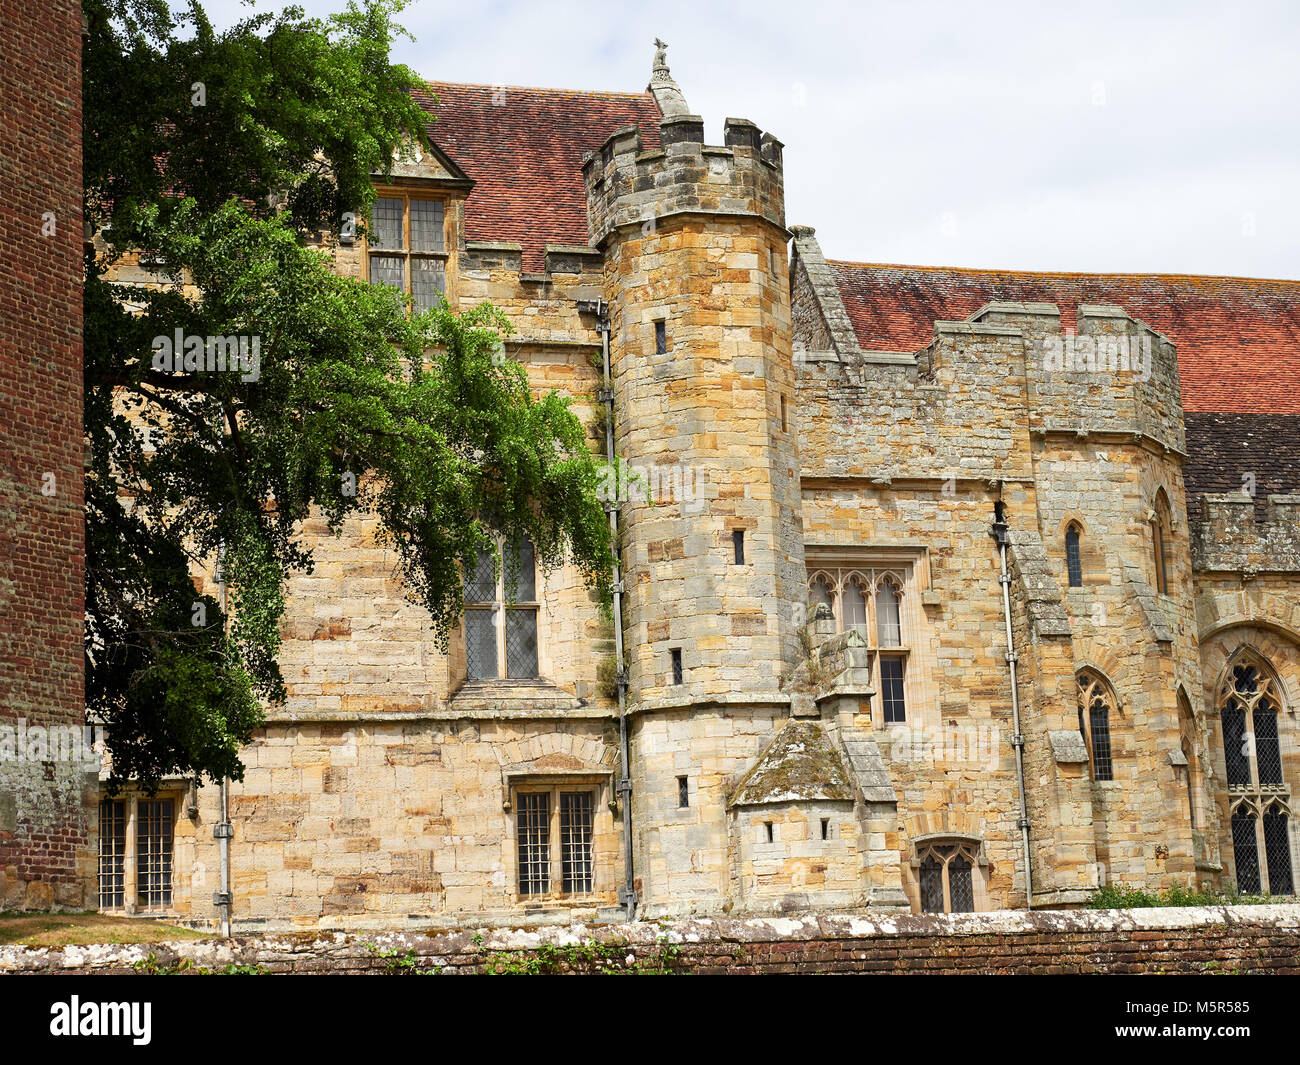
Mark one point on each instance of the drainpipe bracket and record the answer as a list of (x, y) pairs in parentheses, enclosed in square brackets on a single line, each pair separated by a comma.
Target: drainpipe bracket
[(221, 898), (1017, 740), (1013, 656), (606, 395), (223, 830), (1023, 823), (1004, 578)]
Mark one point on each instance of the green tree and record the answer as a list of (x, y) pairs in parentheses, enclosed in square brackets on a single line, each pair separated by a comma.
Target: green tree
[(223, 157)]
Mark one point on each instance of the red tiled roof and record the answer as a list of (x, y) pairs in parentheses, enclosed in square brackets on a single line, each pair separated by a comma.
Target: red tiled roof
[(525, 155), (1238, 338)]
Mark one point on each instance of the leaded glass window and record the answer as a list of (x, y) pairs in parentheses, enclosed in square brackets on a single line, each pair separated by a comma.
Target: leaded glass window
[(946, 874), (501, 611), (1097, 707), (1250, 705), (1073, 562)]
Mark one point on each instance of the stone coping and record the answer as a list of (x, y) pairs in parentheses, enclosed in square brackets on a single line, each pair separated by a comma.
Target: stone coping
[(340, 946)]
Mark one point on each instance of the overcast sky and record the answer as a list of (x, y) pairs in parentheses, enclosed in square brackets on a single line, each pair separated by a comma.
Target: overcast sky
[(1102, 137)]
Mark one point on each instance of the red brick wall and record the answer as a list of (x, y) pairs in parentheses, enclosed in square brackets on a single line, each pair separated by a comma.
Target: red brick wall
[(1224, 940), (43, 828)]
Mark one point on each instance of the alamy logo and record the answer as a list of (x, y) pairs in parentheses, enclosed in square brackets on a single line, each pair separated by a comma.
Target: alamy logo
[(1097, 353), (196, 354), (78, 1018), (54, 743)]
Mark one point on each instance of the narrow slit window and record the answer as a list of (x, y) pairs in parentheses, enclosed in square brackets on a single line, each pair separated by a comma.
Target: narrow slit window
[(683, 792), (826, 828), (661, 337), (1073, 565), (770, 834), (785, 425), (676, 657), (738, 545)]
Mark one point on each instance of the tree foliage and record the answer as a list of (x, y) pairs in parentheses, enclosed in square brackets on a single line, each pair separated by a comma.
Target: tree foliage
[(354, 405)]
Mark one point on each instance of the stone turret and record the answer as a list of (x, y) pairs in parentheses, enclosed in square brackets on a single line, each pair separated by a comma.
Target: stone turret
[(694, 240), (697, 285)]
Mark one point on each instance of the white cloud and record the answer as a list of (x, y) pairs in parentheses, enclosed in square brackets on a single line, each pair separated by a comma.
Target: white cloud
[(1098, 137)]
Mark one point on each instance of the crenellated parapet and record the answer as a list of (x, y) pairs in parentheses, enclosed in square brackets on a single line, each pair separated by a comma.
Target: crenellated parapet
[(1228, 538), (628, 186)]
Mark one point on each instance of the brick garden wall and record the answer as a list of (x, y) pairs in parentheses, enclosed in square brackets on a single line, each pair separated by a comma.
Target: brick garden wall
[(1244, 939), (43, 826)]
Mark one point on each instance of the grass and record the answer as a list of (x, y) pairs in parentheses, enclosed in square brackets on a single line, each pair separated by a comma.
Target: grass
[(64, 929), (1118, 897)]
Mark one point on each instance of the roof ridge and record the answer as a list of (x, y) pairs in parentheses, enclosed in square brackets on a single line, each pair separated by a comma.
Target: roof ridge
[(1062, 273), (607, 93)]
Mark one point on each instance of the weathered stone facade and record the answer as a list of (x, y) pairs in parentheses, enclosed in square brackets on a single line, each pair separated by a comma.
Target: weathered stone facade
[(863, 759)]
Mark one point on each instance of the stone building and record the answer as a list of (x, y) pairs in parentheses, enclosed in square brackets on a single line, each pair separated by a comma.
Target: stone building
[(942, 589)]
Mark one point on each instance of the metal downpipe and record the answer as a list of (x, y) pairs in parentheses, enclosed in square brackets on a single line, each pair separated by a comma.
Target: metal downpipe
[(627, 895), (999, 533)]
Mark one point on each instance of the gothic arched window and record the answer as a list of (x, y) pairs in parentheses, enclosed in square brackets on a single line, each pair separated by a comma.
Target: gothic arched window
[(1096, 705), (946, 872), (1187, 733), (870, 600), (819, 593), (1161, 541), (1250, 701), (888, 628), (1073, 564), (854, 604)]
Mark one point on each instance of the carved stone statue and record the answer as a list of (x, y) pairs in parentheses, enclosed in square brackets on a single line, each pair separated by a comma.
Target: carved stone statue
[(661, 55)]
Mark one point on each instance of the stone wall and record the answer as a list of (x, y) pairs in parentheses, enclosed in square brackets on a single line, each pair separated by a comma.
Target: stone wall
[(44, 821), (911, 452), (1247, 939)]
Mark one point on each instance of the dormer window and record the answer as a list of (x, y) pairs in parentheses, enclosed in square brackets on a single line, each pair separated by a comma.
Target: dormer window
[(406, 246)]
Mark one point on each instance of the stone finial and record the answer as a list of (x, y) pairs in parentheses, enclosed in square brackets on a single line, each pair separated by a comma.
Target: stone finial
[(666, 93)]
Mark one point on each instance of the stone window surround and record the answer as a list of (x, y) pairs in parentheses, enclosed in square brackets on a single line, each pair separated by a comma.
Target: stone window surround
[(130, 859), (449, 235), (870, 573), (921, 845), (601, 785)]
